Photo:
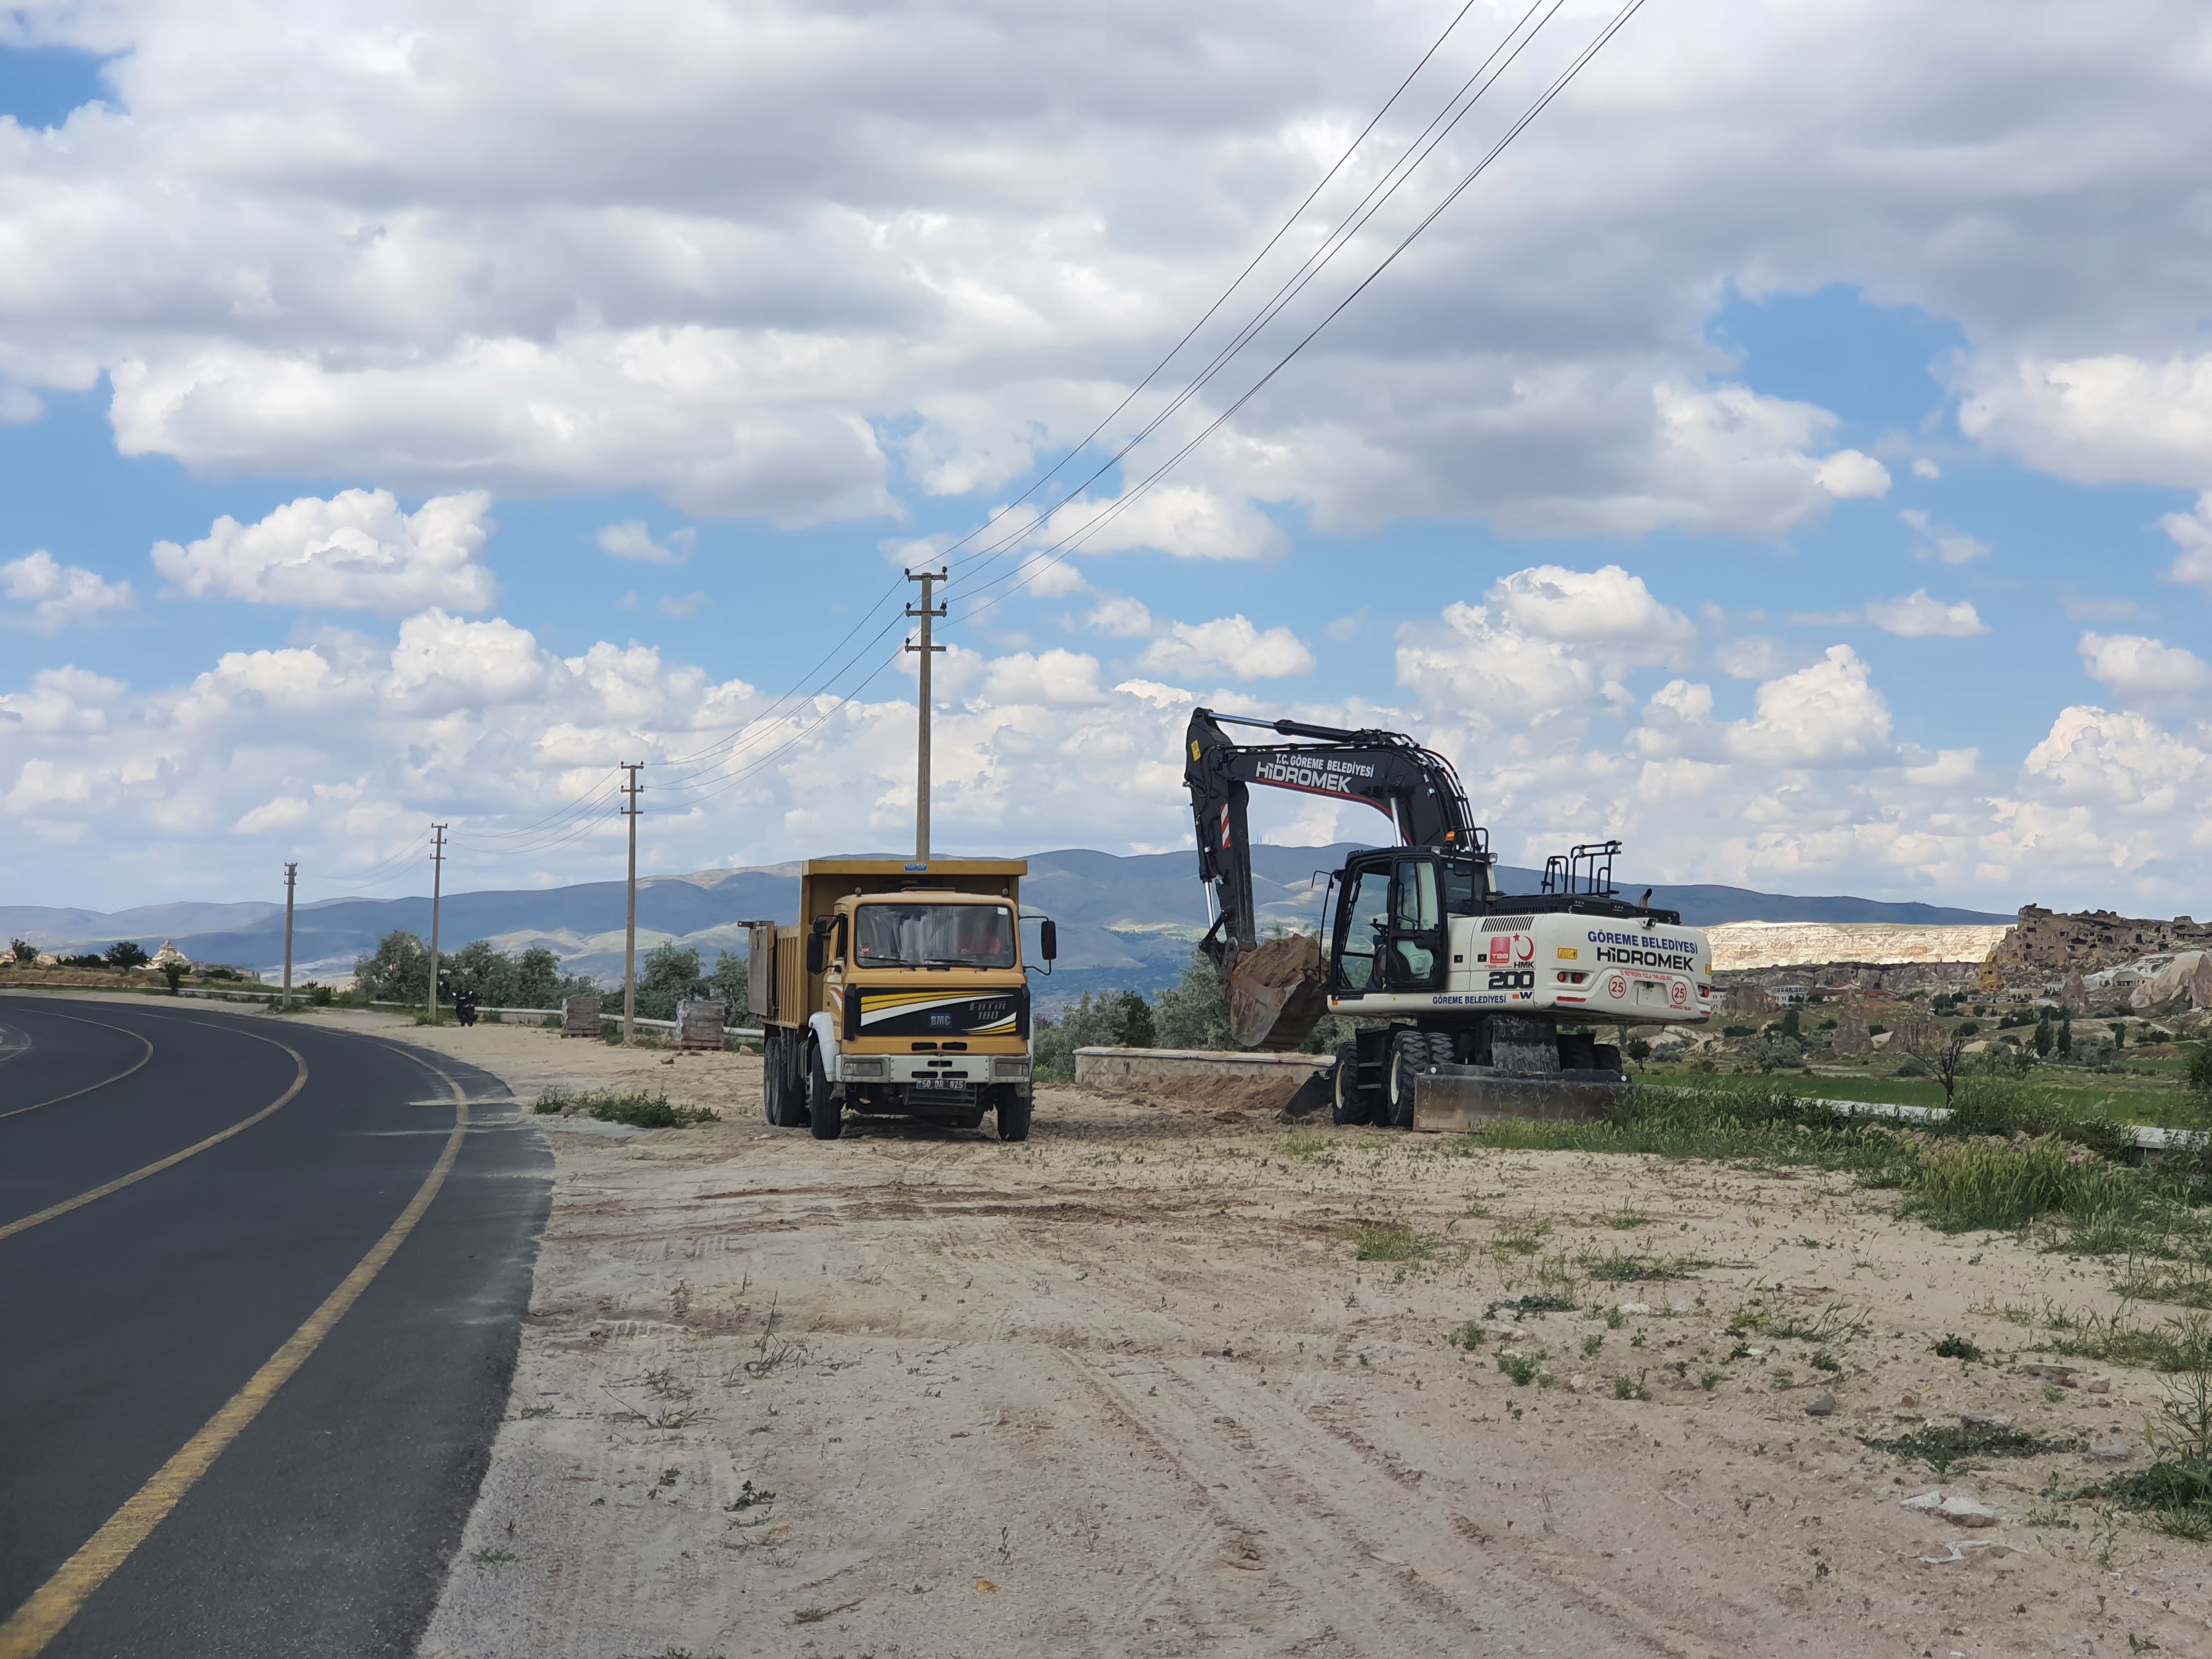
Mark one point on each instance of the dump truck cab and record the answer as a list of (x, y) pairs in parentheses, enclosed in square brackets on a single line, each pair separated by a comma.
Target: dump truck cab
[(903, 992)]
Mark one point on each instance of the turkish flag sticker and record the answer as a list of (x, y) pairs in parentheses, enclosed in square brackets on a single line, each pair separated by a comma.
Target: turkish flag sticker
[(1524, 949)]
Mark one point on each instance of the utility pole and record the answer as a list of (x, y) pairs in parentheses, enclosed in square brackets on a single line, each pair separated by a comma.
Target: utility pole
[(291, 875), (921, 752), (630, 927), (437, 886)]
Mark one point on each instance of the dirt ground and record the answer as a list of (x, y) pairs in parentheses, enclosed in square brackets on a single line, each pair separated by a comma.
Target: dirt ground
[(1125, 1389)]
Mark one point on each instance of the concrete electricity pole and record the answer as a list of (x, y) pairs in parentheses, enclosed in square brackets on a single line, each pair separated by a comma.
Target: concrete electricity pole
[(927, 613), (437, 886), (291, 875), (630, 927)]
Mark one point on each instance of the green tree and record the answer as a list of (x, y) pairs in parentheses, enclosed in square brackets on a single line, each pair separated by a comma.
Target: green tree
[(2066, 1037), (669, 976), (2045, 1039), (124, 954), (399, 972), (1191, 1014), (1791, 1025), (25, 952), (173, 972), (731, 984), (2200, 1069)]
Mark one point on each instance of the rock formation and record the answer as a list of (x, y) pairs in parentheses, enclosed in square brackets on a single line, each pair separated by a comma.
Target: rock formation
[(2047, 945)]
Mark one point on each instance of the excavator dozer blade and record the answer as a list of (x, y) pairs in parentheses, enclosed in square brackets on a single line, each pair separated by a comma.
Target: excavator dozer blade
[(1467, 1098), (1276, 995)]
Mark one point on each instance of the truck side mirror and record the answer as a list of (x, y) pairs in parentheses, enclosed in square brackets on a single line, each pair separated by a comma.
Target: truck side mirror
[(1047, 939), (814, 944)]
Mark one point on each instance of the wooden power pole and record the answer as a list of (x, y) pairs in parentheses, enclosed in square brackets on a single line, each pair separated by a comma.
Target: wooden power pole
[(629, 926), (927, 613), (437, 888), (291, 875)]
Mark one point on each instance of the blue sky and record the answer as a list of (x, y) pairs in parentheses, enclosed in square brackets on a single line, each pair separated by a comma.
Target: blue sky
[(1591, 500)]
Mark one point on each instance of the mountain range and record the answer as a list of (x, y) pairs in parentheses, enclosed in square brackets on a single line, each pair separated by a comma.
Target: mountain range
[(1123, 921)]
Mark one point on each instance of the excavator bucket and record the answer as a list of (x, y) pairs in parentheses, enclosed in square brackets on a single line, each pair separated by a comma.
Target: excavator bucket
[(1275, 992)]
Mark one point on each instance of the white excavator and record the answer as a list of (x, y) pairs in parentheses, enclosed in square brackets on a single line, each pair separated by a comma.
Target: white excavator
[(1484, 1005)]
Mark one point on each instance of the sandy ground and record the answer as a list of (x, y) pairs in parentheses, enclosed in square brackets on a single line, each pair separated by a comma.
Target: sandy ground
[(1125, 1389)]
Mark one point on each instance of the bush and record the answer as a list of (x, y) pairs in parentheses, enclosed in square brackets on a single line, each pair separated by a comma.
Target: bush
[(25, 953), (124, 954), (2200, 1069), (399, 972), (1112, 1019)]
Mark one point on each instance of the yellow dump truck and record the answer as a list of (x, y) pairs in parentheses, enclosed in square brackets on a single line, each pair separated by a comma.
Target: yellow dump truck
[(901, 992)]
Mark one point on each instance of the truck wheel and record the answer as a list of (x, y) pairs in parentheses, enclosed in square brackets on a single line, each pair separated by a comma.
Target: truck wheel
[(1014, 1108), (825, 1115), (772, 1079), (1350, 1103)]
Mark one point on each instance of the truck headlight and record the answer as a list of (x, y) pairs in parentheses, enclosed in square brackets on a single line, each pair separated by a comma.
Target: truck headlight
[(1010, 1069), (874, 1069)]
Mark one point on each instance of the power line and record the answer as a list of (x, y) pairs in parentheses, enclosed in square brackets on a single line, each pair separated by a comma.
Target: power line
[(1044, 558)]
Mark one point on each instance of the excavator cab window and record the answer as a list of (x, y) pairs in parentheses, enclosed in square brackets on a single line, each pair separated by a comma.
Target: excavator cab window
[(1416, 927), (1467, 887), (1363, 926)]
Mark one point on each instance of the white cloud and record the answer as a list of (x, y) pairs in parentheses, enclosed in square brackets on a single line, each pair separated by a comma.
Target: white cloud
[(1607, 606), (1053, 679), (2107, 418), (1924, 468), (1917, 617), (62, 595), (356, 551), (1951, 546), (1121, 618), (2134, 666), (688, 605), (631, 539), (1828, 715), (1186, 520), (2192, 534), (1848, 475), (1227, 644)]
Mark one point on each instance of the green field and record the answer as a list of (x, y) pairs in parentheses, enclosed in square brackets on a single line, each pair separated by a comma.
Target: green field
[(2130, 1097)]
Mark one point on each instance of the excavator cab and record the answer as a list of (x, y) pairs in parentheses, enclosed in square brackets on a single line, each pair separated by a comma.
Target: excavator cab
[(1392, 929)]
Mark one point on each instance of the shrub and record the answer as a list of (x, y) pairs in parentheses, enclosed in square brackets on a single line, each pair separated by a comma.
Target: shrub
[(124, 954), (25, 953)]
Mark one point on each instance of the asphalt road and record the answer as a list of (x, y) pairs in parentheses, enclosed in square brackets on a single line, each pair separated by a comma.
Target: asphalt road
[(127, 1323)]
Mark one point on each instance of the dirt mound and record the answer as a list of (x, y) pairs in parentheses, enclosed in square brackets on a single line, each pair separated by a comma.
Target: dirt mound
[(1288, 1099)]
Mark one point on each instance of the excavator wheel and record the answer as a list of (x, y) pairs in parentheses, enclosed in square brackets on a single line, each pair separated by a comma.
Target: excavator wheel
[(1409, 1057), (1350, 1103)]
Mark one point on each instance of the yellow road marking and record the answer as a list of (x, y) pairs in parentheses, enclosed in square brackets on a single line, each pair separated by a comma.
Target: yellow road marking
[(60, 1599), (116, 1185), (103, 1082)]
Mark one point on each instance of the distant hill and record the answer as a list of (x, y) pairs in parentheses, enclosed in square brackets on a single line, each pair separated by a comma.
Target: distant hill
[(1123, 921)]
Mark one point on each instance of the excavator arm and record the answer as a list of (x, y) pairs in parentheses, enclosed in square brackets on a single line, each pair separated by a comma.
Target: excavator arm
[(1275, 991), (1416, 788)]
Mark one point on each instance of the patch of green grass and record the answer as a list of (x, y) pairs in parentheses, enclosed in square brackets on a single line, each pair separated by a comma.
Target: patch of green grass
[(1954, 1346), (2183, 1344), (674, 1417), (638, 1109), (2188, 1286), (1521, 1238), (1623, 1218), (1941, 1448), (1591, 1343), (1825, 1362), (1387, 1241), (1621, 1267), (1626, 1387), (1469, 1336), (2176, 1490), (1523, 1369), (1834, 1325), (1709, 1380)]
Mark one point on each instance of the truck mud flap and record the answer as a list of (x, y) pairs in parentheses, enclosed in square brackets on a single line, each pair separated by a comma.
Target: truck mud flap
[(1466, 1098)]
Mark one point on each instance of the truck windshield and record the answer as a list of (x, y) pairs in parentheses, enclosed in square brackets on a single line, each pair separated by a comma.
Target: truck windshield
[(933, 935)]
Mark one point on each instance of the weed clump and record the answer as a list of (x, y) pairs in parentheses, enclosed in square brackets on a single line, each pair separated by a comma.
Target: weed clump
[(1541, 1302), (1954, 1346), (1469, 1336), (1941, 1449), (2176, 1490), (638, 1109), (1523, 1369), (1387, 1241)]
